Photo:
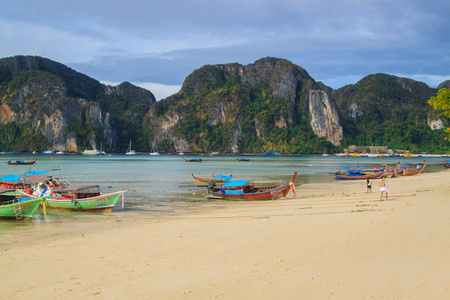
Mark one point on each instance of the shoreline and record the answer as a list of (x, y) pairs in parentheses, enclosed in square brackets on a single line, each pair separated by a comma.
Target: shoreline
[(334, 241)]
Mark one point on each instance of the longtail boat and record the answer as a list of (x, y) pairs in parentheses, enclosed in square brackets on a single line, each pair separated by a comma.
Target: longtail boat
[(243, 159), (192, 160), (411, 171), (408, 169), (218, 179), (242, 190), (76, 197), (22, 162), (358, 174), (446, 164), (18, 208), (390, 172), (87, 198)]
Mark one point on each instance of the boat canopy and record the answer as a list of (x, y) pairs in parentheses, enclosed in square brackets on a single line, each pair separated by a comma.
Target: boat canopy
[(11, 178), (78, 189), (38, 172), (36, 178), (223, 177), (236, 183), (355, 171)]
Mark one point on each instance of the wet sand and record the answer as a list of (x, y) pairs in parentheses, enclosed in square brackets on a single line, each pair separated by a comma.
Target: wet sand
[(334, 241)]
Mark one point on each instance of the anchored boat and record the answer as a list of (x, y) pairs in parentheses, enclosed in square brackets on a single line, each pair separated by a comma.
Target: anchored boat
[(218, 179), (18, 208), (243, 190)]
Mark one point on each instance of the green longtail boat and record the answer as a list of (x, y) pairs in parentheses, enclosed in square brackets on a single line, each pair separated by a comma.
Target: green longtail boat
[(20, 208), (62, 195), (87, 198)]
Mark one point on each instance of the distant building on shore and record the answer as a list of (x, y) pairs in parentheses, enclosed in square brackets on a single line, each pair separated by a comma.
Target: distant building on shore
[(366, 149)]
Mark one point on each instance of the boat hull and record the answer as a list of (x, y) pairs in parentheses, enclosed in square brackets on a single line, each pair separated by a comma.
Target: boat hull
[(217, 181), (19, 163), (267, 193), (102, 203), (28, 209), (359, 177), (192, 160)]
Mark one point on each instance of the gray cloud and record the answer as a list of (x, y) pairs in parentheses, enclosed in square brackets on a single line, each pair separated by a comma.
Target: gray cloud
[(337, 42)]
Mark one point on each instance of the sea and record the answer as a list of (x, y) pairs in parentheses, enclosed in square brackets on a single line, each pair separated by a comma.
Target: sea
[(161, 186)]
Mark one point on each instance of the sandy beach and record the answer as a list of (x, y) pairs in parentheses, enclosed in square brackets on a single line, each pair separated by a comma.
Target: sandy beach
[(334, 241)]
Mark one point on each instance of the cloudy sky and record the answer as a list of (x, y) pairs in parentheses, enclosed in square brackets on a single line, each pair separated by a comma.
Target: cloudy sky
[(156, 44)]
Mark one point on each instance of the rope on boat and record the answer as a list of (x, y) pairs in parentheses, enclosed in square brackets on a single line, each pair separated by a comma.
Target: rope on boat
[(57, 210)]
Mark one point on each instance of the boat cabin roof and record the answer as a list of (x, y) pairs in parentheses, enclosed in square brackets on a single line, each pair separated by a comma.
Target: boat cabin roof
[(11, 178), (236, 183), (78, 188), (223, 177), (37, 178), (39, 172)]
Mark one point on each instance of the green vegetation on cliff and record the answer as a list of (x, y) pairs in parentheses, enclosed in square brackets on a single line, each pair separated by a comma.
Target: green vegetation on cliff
[(38, 91), (221, 112), (441, 102), (260, 107), (391, 111)]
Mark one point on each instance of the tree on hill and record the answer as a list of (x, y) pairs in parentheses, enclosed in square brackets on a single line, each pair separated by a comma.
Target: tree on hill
[(442, 103)]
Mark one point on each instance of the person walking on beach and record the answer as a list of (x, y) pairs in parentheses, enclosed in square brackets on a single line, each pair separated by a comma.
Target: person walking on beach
[(369, 185), (383, 189)]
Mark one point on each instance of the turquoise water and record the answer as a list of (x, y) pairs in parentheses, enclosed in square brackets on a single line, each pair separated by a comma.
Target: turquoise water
[(162, 185)]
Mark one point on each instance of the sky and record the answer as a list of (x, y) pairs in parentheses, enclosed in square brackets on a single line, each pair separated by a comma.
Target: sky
[(156, 44)]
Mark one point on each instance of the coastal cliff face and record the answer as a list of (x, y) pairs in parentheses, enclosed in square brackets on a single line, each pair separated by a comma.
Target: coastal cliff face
[(248, 102), (269, 105), (324, 117), (56, 115), (46, 105)]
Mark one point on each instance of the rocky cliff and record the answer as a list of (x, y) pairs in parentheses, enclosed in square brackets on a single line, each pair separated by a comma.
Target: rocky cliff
[(383, 109), (324, 117), (46, 105), (269, 105), (259, 102)]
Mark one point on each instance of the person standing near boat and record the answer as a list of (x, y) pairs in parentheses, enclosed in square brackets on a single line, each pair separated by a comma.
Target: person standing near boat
[(369, 185), (383, 189)]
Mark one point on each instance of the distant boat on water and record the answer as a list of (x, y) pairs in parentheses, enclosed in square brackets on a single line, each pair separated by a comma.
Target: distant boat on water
[(243, 159), (130, 151), (192, 160), (91, 152), (22, 162), (270, 154), (48, 152)]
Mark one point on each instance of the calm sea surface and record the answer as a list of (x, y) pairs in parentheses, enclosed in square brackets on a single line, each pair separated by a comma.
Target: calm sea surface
[(162, 185)]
